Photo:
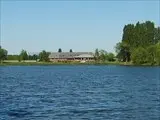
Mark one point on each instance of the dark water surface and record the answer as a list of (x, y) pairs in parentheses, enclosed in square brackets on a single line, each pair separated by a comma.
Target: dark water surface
[(79, 92)]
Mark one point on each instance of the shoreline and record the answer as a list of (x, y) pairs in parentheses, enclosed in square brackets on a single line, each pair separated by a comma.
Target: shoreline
[(69, 63)]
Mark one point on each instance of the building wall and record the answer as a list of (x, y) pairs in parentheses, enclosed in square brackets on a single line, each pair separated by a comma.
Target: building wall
[(70, 59), (74, 56)]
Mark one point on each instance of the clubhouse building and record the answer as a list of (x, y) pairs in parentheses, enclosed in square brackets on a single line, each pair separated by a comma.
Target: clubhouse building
[(71, 56)]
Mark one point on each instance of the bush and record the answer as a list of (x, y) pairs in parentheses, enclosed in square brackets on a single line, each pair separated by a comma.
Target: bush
[(139, 56), (110, 57)]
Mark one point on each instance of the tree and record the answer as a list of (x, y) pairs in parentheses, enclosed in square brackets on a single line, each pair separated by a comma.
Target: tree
[(59, 50), (3, 54), (128, 34), (70, 50), (119, 52), (157, 35), (102, 55), (23, 55), (157, 54), (96, 55), (123, 52), (33, 57), (110, 57), (43, 56), (139, 56), (151, 51), (149, 33), (141, 35)]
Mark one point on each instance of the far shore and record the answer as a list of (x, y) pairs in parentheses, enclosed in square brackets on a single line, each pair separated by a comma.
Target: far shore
[(34, 63)]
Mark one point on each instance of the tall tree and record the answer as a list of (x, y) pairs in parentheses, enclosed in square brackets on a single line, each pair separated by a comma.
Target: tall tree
[(149, 32), (103, 55), (157, 35), (23, 55), (157, 54), (128, 34), (3, 54), (151, 54), (43, 56), (141, 35), (123, 52), (97, 55)]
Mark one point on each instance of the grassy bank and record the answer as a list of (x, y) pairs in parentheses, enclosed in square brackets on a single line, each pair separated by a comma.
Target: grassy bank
[(34, 63), (29, 63)]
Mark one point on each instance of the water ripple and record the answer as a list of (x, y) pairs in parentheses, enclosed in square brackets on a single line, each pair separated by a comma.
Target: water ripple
[(79, 92)]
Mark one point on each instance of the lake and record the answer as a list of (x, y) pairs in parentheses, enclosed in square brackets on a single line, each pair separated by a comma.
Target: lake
[(79, 92)]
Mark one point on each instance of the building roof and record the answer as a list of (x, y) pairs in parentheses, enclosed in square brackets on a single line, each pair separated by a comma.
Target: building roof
[(70, 54)]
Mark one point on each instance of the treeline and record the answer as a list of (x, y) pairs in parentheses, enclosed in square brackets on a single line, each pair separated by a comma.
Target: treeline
[(42, 56), (140, 44)]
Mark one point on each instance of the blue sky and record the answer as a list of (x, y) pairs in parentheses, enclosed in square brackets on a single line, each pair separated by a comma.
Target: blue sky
[(77, 25)]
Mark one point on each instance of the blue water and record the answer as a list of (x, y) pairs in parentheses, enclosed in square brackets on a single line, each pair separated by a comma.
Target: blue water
[(79, 93)]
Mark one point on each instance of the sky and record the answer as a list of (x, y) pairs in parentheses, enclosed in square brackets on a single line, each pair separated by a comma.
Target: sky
[(77, 25)]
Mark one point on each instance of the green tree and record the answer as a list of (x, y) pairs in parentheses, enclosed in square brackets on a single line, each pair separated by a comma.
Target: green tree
[(139, 55), (102, 55), (140, 35), (118, 50), (59, 50), (33, 57), (3, 54), (97, 55), (128, 34), (157, 54), (23, 55), (149, 33), (157, 35), (43, 56), (110, 57), (70, 50), (151, 51), (123, 52)]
